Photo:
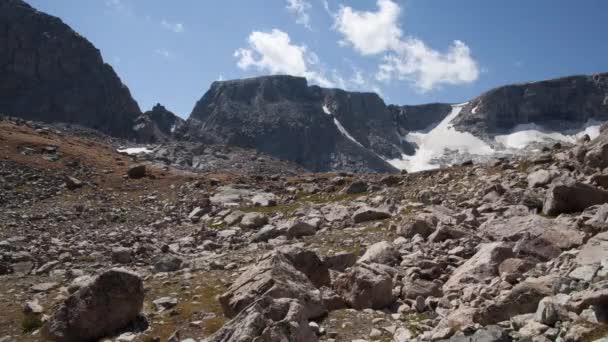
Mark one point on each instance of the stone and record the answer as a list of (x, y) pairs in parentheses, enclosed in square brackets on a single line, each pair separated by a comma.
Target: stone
[(540, 178), (268, 319), (253, 221), (420, 288), (196, 214), (482, 265), (594, 251), (167, 263), (275, 277), (547, 312), (137, 171), (569, 196), (264, 199), (356, 187), (164, 303), (423, 225), (365, 214), (382, 252), (340, 261), (307, 262), (73, 183), (585, 273), (234, 218), (297, 228), (365, 286), (110, 302), (121, 255), (44, 287)]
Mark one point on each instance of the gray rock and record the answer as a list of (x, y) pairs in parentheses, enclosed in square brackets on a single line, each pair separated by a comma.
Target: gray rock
[(167, 263), (253, 221), (272, 276), (365, 286), (137, 171), (382, 252), (569, 196), (121, 255), (113, 300), (370, 214), (423, 225)]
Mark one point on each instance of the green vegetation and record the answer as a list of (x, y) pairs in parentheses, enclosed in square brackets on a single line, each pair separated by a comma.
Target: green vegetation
[(30, 323)]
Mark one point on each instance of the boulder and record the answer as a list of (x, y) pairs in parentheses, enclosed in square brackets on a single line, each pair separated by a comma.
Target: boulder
[(356, 187), (484, 264), (370, 214), (420, 288), (423, 225), (340, 261), (307, 262), (268, 319), (540, 178), (569, 196), (297, 228), (110, 302), (264, 199), (382, 252), (365, 286), (137, 171), (121, 255), (594, 251), (275, 277), (253, 221), (167, 263)]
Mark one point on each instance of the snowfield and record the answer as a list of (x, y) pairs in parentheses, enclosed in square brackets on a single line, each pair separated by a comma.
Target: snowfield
[(433, 145), (135, 150)]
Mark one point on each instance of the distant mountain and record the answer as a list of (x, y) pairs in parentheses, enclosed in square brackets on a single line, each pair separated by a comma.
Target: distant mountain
[(321, 129), (50, 73), (559, 104), (157, 125)]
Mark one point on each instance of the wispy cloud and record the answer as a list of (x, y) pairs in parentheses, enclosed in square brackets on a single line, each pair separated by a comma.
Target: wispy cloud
[(119, 6), (405, 57), (163, 53), (175, 27), (301, 9)]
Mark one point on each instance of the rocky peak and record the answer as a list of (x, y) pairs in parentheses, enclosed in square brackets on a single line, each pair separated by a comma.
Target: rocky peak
[(50, 73), (557, 104), (322, 129), (157, 124)]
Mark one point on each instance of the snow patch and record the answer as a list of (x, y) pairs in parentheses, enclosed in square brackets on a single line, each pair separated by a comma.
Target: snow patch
[(134, 150), (326, 110), (345, 132), (524, 135), (433, 145), (474, 110)]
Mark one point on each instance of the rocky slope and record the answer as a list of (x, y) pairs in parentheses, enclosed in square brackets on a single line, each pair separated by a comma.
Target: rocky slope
[(559, 104), (157, 125), (50, 73), (321, 129), (510, 250)]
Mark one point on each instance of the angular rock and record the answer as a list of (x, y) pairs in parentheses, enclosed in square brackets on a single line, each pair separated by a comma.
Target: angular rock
[(167, 263), (307, 262), (112, 301), (365, 286), (370, 214), (569, 196), (137, 171), (423, 225), (594, 251), (275, 277), (266, 320), (382, 252), (484, 264), (253, 221), (121, 255)]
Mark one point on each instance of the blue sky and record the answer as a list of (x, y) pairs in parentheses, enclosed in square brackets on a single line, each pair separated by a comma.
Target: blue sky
[(410, 51)]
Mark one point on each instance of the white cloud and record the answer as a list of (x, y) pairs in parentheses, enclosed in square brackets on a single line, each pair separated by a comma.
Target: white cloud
[(370, 32), (427, 68), (273, 52), (406, 58), (301, 9), (163, 53), (175, 27)]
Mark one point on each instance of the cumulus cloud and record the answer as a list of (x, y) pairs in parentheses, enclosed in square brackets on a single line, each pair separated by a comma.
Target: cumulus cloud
[(301, 9), (370, 32), (405, 58), (274, 52), (175, 27)]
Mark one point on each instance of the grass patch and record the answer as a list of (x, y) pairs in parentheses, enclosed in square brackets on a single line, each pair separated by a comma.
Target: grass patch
[(30, 323)]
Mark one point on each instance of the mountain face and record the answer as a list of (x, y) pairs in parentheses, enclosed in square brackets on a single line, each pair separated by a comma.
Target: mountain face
[(50, 73), (557, 104), (157, 125), (321, 129)]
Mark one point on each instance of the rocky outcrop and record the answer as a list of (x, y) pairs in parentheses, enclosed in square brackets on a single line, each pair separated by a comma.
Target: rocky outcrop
[(558, 104), (50, 73), (157, 124), (321, 129)]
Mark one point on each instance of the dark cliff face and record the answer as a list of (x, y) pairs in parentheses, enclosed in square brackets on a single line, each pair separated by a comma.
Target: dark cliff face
[(419, 117), (557, 104), (284, 117), (50, 73), (157, 125)]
